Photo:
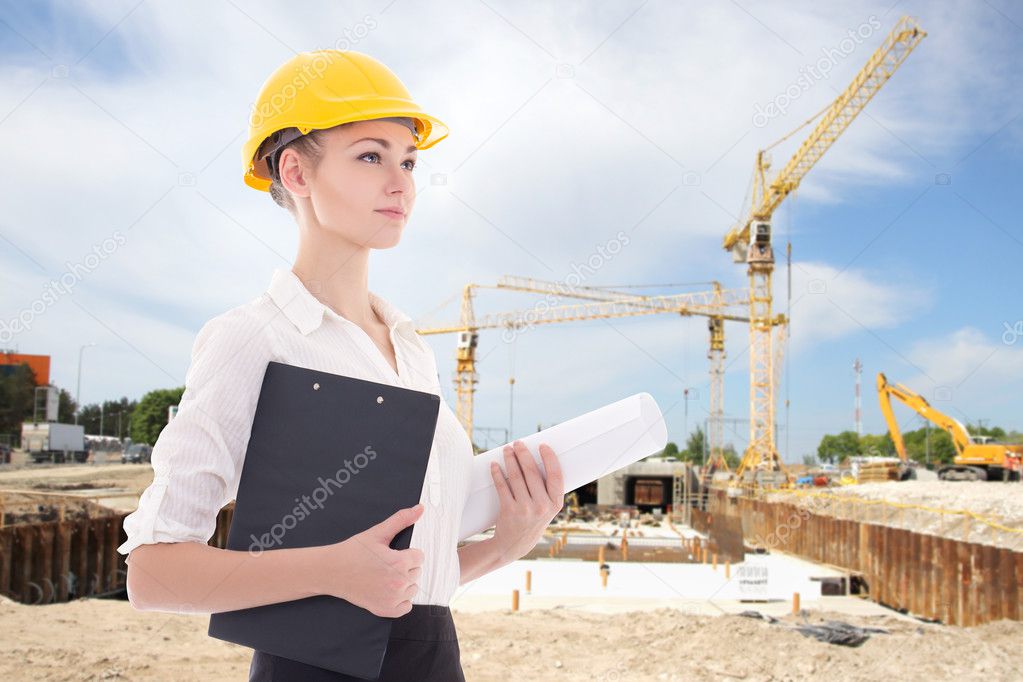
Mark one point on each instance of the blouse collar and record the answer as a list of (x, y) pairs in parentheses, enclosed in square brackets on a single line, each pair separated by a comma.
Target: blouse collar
[(306, 312)]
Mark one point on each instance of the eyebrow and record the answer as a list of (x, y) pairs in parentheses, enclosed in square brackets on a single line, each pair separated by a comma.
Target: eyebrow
[(383, 143)]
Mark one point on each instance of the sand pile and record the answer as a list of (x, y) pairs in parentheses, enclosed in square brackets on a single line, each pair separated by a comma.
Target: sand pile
[(928, 507)]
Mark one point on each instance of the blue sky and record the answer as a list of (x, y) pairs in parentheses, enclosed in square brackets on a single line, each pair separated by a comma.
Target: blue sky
[(570, 121)]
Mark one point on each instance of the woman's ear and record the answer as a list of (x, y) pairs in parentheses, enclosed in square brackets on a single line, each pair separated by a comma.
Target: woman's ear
[(292, 173)]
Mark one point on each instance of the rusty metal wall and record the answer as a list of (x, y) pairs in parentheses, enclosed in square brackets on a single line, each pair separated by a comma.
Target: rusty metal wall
[(955, 582), (724, 533), (56, 561)]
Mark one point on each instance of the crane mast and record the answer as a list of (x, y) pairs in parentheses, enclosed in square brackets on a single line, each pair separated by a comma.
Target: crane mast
[(750, 240)]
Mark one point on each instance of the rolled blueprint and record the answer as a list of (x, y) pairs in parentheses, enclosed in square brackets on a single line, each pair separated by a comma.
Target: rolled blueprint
[(588, 447)]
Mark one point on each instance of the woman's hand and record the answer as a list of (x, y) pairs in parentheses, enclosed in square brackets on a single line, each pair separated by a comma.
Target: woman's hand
[(365, 570), (527, 502)]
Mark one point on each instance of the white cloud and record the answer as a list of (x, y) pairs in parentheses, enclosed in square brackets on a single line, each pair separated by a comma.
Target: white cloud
[(829, 303), (668, 93), (971, 362)]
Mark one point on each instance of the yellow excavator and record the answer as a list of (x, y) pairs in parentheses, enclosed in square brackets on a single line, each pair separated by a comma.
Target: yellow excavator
[(975, 460)]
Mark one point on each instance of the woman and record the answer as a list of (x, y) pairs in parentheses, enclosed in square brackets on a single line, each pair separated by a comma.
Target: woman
[(333, 138)]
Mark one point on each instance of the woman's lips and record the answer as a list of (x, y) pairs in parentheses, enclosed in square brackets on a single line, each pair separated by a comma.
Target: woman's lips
[(394, 215)]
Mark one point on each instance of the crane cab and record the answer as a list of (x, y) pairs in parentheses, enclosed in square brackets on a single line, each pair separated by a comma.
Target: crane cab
[(760, 250)]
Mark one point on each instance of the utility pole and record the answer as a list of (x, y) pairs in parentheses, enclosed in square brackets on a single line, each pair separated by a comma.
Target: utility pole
[(685, 423), (78, 390), (927, 443), (858, 368)]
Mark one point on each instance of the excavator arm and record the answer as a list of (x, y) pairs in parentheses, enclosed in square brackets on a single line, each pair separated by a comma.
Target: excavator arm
[(960, 436), (886, 409)]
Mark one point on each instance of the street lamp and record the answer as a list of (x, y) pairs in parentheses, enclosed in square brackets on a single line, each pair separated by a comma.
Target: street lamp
[(78, 390), (118, 415)]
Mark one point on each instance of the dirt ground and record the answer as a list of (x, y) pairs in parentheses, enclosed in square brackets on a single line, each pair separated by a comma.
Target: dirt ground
[(108, 639), (30, 492), (1003, 501)]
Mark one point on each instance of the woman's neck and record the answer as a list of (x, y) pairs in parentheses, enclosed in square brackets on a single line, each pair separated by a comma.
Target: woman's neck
[(336, 273)]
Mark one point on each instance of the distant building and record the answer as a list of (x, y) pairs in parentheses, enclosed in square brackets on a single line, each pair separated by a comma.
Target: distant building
[(40, 364), (646, 484)]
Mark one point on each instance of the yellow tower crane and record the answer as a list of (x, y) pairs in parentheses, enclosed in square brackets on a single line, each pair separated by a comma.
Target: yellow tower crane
[(750, 240), (605, 304), (715, 352)]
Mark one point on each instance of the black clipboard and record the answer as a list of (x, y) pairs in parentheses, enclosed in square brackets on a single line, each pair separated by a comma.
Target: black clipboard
[(306, 425)]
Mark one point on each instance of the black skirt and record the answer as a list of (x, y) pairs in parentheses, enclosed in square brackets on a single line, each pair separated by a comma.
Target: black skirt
[(423, 646)]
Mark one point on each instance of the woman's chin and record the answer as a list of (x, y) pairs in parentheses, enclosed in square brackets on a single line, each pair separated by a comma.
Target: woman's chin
[(387, 238)]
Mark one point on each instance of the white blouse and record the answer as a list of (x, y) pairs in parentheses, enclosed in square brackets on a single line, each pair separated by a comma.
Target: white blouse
[(197, 459)]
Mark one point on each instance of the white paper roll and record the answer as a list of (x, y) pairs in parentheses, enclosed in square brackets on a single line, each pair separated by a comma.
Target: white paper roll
[(588, 447)]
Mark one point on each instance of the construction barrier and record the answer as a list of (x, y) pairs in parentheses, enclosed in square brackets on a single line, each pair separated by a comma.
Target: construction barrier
[(724, 533), (943, 579), (57, 561)]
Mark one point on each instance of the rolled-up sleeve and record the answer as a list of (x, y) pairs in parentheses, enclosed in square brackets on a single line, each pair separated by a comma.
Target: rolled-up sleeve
[(198, 456)]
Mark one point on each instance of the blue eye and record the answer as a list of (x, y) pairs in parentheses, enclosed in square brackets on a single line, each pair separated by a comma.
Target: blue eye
[(374, 154)]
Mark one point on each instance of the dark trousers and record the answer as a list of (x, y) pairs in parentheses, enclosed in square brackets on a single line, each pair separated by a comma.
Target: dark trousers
[(423, 646)]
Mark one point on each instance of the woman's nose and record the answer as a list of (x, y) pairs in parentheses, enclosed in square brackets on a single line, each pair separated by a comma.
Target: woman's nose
[(400, 180)]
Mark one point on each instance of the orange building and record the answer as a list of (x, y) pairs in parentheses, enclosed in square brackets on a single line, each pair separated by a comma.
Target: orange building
[(40, 364)]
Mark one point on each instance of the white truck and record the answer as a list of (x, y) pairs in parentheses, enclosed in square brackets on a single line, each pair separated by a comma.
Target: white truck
[(52, 442)]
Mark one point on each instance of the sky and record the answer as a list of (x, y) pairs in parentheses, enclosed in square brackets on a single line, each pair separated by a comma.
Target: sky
[(571, 123)]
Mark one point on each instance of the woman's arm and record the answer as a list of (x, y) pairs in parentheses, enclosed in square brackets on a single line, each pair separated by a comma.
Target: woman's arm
[(528, 503), (479, 558), (193, 577)]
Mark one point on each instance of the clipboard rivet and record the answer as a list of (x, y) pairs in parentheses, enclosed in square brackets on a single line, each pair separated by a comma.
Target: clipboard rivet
[(380, 399), (316, 387)]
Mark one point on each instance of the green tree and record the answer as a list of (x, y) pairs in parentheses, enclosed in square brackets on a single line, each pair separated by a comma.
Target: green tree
[(877, 445), (17, 392), (694, 447), (942, 449), (91, 419), (995, 433), (732, 458), (66, 407), (834, 449), (150, 415), (670, 450)]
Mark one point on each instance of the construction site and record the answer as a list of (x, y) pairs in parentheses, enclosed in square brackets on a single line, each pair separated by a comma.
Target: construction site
[(759, 568)]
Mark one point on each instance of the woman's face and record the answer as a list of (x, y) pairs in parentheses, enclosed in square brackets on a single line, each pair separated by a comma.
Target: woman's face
[(365, 168)]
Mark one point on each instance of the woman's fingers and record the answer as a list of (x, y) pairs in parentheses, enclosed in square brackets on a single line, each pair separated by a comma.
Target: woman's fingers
[(524, 480), (555, 477), (530, 472), (515, 479), (504, 493)]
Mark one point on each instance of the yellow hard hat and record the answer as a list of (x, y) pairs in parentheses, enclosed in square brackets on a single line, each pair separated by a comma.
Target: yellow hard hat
[(325, 88)]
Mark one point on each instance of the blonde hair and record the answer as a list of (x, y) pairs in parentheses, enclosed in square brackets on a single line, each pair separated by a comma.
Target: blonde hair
[(310, 147)]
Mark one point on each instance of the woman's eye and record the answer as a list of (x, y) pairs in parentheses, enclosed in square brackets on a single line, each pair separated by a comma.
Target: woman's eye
[(377, 156)]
